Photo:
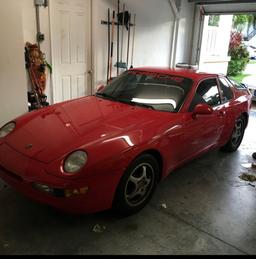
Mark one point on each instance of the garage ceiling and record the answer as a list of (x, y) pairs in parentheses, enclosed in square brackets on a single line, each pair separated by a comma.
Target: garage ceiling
[(226, 6)]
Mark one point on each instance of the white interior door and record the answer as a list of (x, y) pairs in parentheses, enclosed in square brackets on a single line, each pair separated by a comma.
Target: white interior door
[(71, 48)]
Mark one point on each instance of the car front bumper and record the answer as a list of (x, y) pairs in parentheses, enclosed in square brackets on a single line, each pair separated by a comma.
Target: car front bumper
[(23, 173)]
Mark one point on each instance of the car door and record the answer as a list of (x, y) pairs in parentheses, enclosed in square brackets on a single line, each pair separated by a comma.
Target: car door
[(202, 132)]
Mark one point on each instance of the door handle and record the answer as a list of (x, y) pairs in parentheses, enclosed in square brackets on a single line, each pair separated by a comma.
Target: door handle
[(222, 113)]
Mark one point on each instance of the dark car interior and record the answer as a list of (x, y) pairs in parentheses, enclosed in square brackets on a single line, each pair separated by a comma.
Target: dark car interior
[(207, 93), (158, 92)]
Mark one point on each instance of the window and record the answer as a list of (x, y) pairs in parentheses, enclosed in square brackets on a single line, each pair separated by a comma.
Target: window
[(207, 93), (214, 20), (162, 92), (226, 90)]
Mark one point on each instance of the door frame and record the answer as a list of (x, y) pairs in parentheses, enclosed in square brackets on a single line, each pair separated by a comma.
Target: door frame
[(91, 46)]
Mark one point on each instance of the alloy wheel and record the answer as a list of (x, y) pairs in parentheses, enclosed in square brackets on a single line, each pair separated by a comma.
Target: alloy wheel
[(238, 133), (139, 185)]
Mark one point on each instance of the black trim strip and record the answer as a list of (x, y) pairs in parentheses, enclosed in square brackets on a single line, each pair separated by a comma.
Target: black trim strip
[(10, 174)]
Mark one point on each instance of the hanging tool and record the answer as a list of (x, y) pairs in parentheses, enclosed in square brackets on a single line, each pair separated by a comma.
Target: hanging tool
[(36, 66), (112, 45), (121, 19), (122, 45), (128, 45), (118, 14), (134, 28), (40, 36), (108, 45)]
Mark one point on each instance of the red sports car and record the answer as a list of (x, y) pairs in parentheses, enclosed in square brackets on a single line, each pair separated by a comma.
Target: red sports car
[(112, 149)]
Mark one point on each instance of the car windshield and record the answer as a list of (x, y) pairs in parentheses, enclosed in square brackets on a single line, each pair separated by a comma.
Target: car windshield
[(157, 91)]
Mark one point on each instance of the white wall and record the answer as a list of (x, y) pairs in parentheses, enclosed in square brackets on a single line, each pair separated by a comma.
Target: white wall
[(13, 99), (153, 34), (197, 35), (184, 45)]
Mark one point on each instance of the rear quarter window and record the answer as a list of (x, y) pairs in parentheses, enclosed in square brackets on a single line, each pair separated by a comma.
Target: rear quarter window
[(236, 85), (226, 89)]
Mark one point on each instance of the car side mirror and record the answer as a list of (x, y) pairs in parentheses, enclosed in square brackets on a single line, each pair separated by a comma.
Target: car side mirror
[(100, 88), (202, 109)]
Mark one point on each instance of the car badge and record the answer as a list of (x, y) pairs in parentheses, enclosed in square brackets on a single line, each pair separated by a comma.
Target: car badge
[(29, 146)]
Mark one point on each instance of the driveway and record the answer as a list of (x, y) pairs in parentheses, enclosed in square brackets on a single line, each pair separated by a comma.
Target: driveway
[(250, 69), (250, 80)]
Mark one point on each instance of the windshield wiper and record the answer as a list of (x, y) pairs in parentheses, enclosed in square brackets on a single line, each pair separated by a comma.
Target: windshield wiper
[(144, 105), (105, 96), (148, 106)]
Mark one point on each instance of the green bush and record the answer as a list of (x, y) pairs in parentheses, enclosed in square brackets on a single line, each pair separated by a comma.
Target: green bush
[(239, 60)]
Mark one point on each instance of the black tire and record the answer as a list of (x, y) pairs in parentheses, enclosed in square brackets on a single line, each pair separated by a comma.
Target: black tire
[(137, 186), (254, 156), (236, 137)]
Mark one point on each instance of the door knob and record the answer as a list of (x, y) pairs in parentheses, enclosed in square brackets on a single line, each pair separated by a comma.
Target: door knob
[(222, 113)]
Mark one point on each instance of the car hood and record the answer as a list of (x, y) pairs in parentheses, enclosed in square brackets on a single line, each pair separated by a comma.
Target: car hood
[(51, 133)]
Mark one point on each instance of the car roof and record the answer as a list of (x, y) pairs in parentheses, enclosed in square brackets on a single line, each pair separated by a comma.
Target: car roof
[(186, 73)]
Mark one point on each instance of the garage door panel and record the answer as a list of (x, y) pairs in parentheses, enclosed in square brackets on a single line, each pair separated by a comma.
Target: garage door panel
[(230, 8)]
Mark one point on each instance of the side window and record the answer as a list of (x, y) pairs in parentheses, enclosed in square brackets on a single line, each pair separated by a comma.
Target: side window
[(208, 93), (226, 90)]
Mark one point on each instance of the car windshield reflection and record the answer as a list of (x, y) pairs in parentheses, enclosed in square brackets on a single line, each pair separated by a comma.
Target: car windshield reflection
[(157, 91)]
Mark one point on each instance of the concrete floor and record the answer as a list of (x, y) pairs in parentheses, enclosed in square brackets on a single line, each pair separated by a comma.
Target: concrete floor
[(209, 211)]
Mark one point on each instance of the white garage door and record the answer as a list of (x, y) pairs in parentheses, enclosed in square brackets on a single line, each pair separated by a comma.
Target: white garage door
[(227, 6)]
